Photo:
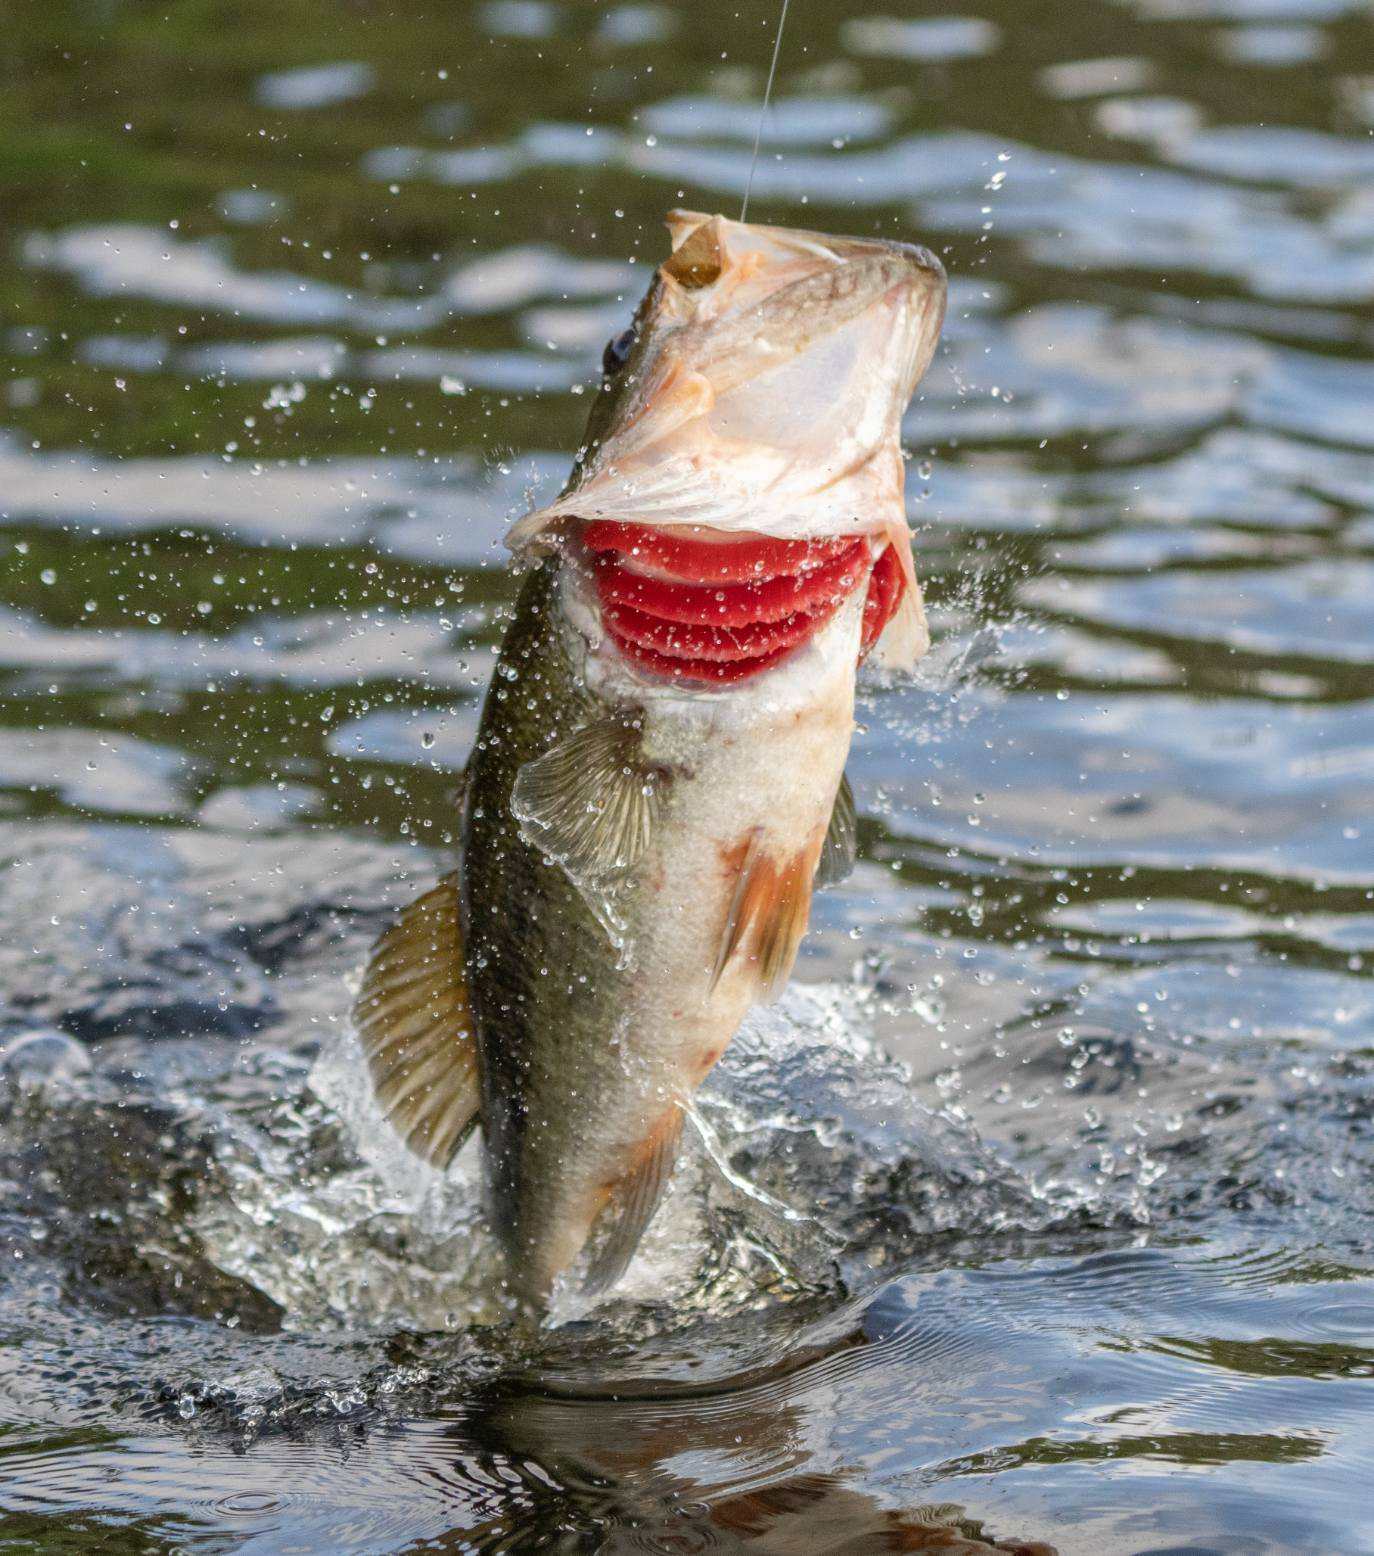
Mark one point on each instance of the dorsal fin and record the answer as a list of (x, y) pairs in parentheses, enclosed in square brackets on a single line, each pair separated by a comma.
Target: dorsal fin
[(415, 1026)]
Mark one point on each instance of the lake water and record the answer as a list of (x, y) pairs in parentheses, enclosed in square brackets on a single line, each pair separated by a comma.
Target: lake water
[(1041, 1209)]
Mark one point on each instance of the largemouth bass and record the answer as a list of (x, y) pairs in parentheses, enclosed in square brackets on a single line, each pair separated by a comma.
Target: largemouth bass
[(658, 778)]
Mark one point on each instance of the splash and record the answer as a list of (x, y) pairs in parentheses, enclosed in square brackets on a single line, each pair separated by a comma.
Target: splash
[(810, 1157)]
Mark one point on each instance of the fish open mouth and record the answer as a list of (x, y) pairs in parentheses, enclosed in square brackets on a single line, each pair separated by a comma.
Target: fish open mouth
[(741, 474), (703, 606)]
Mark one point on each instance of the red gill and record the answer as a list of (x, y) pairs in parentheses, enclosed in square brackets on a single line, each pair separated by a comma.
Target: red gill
[(702, 607)]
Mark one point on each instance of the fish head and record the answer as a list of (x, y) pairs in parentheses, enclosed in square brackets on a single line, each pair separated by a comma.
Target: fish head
[(766, 339), (760, 389)]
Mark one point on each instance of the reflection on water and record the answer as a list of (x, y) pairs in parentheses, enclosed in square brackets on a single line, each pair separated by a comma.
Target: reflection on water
[(296, 307)]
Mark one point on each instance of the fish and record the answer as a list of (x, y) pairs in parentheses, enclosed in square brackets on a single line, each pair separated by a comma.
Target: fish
[(657, 782)]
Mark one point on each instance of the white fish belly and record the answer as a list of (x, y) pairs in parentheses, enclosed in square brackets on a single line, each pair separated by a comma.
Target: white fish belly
[(754, 775)]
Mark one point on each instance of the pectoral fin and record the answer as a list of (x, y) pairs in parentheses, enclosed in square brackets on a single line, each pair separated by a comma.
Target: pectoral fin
[(590, 802), (633, 1202), (841, 846), (415, 1026), (906, 638)]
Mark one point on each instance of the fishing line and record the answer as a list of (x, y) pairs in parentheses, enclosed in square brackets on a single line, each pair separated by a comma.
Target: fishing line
[(763, 111)]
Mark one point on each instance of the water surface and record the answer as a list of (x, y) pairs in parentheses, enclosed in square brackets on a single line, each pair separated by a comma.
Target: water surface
[(1040, 1211)]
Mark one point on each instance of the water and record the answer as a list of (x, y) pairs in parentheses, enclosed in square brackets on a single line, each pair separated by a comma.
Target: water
[(1040, 1211)]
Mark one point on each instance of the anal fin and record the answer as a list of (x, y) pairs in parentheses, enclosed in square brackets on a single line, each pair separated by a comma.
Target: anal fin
[(415, 1025), (633, 1202)]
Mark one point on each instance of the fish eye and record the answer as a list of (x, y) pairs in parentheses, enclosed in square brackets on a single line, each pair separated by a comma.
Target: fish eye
[(617, 352)]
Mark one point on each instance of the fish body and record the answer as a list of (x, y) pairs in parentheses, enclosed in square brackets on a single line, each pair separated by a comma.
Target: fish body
[(658, 774)]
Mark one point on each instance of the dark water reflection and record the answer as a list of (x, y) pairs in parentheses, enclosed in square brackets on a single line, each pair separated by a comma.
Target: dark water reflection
[(297, 304)]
